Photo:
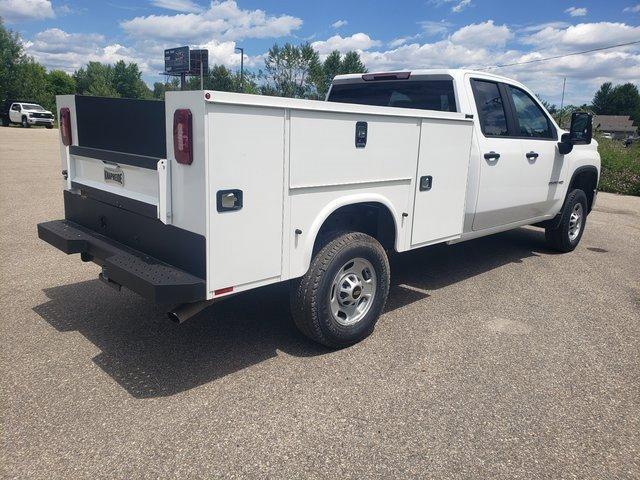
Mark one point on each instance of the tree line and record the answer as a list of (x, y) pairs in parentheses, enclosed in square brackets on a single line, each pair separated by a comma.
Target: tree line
[(609, 99), (289, 71)]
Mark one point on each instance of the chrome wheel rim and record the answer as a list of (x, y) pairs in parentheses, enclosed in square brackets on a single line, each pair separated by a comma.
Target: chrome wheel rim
[(575, 221), (352, 291)]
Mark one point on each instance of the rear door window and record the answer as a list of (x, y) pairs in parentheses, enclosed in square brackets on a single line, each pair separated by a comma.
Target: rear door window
[(490, 105), (422, 94)]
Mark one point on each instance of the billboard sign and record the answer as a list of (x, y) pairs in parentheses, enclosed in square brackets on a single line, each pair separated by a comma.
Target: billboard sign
[(198, 58), (176, 60)]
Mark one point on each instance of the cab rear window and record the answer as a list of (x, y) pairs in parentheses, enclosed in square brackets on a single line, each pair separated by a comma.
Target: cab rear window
[(422, 94)]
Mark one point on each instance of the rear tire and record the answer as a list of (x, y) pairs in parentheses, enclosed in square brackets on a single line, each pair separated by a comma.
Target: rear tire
[(338, 301), (568, 232), (49, 127)]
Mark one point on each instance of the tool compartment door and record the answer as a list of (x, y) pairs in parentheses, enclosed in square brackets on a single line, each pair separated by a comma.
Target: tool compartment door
[(441, 181), (246, 155)]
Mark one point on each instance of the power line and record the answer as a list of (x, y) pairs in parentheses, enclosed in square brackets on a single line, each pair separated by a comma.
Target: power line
[(560, 56)]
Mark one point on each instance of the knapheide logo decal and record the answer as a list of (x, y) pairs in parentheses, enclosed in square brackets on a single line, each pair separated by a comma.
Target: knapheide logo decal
[(114, 175)]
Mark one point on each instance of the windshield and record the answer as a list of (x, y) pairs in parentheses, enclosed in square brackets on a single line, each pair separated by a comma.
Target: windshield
[(423, 94), (32, 106)]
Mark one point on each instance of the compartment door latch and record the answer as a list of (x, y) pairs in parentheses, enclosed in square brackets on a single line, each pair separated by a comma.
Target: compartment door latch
[(229, 200)]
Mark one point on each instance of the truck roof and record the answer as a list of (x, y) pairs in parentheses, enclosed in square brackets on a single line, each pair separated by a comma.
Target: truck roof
[(417, 73)]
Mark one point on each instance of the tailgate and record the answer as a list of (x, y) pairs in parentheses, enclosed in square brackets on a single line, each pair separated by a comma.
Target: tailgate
[(116, 149)]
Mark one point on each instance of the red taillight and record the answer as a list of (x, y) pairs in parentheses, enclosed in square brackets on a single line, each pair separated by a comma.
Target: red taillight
[(65, 126), (183, 136)]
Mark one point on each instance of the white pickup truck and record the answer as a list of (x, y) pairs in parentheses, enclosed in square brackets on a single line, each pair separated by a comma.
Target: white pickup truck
[(26, 114), (210, 194)]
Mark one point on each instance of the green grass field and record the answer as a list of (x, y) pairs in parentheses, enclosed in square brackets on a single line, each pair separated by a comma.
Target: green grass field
[(620, 167)]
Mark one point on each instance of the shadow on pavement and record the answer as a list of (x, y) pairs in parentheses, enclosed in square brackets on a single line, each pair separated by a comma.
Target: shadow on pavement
[(152, 357)]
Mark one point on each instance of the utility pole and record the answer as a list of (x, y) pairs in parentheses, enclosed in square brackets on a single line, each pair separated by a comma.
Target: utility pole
[(241, 68), (564, 82)]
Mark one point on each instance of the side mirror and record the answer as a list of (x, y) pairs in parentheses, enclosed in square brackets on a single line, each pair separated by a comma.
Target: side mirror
[(580, 132)]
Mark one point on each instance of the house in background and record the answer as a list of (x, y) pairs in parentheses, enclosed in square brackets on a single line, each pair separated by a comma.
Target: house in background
[(619, 126)]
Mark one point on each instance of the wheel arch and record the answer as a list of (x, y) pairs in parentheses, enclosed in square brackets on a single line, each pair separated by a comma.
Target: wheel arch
[(333, 209), (585, 178)]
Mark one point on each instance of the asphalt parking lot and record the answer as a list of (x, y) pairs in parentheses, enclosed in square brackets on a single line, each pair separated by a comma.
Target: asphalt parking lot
[(495, 358)]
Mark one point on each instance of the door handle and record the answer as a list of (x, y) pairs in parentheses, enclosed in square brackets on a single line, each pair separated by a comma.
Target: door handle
[(491, 156), (532, 155)]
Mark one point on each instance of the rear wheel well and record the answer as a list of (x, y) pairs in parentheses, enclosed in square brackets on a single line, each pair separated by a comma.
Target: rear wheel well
[(585, 179), (372, 218)]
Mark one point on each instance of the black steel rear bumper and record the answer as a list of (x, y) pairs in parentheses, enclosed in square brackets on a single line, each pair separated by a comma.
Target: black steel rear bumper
[(121, 265)]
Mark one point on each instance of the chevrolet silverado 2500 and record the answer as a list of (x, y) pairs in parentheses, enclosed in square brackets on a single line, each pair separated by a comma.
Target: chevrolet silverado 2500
[(209, 194)]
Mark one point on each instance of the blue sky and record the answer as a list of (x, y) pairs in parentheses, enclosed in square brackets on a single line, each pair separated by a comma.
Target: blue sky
[(388, 34)]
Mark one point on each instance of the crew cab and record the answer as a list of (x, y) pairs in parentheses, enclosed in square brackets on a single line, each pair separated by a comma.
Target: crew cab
[(26, 114), (210, 194)]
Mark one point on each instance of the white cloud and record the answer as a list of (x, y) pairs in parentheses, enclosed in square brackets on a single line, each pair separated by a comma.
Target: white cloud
[(396, 42), (542, 26), (431, 27), (458, 6), (223, 20), (633, 9), (177, 5), (357, 41), (339, 23), (583, 35), (224, 53), (77, 56), (461, 5), (576, 12), (55, 40), (22, 10), (482, 35)]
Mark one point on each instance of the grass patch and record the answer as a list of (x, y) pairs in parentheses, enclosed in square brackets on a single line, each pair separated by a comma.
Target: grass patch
[(620, 167)]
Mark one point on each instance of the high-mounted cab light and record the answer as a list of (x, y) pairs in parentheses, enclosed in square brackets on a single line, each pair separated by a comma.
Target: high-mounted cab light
[(372, 77), (65, 126), (183, 136)]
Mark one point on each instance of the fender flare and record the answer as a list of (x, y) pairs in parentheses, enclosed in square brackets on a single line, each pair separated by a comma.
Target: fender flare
[(340, 202), (584, 168), (578, 171)]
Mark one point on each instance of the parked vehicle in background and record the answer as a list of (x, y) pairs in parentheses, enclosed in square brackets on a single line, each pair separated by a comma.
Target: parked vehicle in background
[(25, 113), (608, 136), (209, 194)]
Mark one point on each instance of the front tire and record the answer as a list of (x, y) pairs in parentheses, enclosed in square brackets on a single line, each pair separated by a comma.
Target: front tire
[(48, 127), (25, 123), (568, 232), (338, 301)]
